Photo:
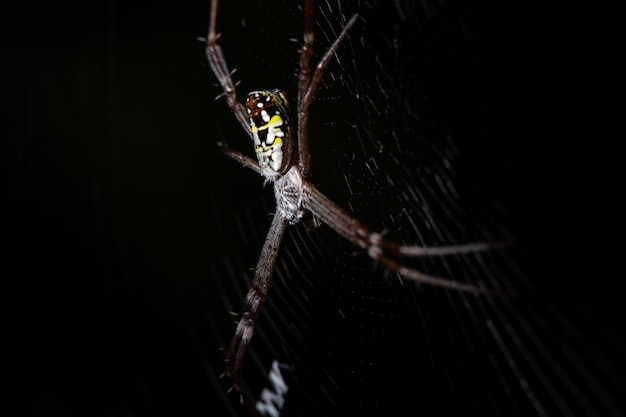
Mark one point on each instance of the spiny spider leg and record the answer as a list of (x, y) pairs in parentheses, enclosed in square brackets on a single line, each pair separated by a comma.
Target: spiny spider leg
[(321, 65), (375, 244), (307, 82), (304, 76), (255, 298), (244, 160), (265, 118), (218, 65)]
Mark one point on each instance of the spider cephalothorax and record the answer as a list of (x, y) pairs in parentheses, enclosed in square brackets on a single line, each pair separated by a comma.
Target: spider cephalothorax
[(265, 117)]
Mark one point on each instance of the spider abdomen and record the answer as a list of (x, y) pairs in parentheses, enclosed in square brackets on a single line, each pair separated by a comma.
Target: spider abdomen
[(268, 114)]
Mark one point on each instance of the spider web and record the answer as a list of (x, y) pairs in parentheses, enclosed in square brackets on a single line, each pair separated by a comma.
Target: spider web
[(408, 132), (422, 127), (130, 238)]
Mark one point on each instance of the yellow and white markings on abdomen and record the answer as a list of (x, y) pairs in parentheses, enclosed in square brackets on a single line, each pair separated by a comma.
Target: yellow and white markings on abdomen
[(268, 115), (269, 151)]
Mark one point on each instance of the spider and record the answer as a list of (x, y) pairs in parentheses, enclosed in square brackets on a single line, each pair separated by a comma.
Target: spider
[(283, 159)]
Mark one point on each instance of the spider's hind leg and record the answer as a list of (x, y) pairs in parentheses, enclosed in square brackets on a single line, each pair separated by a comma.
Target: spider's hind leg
[(308, 80), (220, 69)]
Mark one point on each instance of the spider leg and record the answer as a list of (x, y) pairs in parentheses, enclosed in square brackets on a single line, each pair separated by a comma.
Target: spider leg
[(377, 246), (307, 82), (220, 69), (244, 160), (304, 77), (254, 299), (323, 62)]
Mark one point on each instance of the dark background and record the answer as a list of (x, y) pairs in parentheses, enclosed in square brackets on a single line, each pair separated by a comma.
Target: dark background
[(126, 235)]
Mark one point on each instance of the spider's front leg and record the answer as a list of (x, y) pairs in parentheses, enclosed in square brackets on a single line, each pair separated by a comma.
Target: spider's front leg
[(384, 250), (255, 298)]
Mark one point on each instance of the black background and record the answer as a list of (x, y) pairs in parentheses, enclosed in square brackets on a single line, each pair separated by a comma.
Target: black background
[(116, 202)]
